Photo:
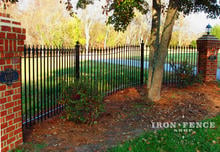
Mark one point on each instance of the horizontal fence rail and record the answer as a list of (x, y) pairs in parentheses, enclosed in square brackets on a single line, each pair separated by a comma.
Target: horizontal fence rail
[(45, 69)]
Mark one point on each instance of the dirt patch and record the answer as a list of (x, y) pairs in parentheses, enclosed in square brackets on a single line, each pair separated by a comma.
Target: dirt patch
[(128, 114)]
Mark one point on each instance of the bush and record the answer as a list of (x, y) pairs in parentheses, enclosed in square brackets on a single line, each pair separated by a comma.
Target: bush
[(82, 104), (185, 74)]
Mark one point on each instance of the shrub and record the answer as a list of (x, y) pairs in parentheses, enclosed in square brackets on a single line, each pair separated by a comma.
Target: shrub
[(185, 74), (82, 104)]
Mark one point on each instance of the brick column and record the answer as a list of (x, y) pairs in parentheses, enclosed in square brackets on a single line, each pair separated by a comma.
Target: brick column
[(12, 38), (208, 47)]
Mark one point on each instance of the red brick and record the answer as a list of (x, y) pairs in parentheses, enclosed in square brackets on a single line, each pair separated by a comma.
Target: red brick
[(10, 140), (17, 23), (21, 37), (9, 118), (19, 102), (15, 109), (9, 105), (2, 87), (15, 46), (8, 61), (17, 96), (23, 31), (16, 30), (17, 131), (3, 113), (21, 48), (2, 61), (12, 146), (4, 125), (10, 45), (5, 21), (11, 35), (20, 135), (5, 137), (9, 55), (21, 42), (11, 122), (5, 149), (6, 28), (9, 99), (6, 45), (1, 41), (17, 120), (16, 84), (8, 66), (20, 141), (3, 100), (1, 48), (10, 92)]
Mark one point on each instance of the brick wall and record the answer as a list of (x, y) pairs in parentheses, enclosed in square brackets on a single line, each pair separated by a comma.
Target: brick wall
[(12, 38), (207, 45)]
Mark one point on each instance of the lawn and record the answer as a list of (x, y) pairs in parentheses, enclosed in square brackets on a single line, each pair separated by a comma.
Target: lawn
[(167, 140)]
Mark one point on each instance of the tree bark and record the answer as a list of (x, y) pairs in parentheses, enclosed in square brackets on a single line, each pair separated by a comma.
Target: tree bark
[(157, 74), (87, 33), (154, 37), (106, 36)]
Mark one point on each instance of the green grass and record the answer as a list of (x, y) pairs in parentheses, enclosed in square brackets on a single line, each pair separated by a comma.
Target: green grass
[(27, 147), (203, 140)]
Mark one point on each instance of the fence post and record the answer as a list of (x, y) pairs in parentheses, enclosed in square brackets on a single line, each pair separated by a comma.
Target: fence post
[(142, 63), (12, 37), (208, 46), (77, 60)]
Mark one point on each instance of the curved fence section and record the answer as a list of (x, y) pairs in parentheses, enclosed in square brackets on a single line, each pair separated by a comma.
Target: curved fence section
[(46, 69)]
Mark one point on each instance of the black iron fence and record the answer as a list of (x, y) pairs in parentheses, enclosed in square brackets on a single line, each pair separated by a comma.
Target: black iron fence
[(175, 58), (111, 69), (44, 70)]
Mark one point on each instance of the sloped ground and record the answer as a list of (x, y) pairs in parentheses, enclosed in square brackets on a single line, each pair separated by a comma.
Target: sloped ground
[(128, 114)]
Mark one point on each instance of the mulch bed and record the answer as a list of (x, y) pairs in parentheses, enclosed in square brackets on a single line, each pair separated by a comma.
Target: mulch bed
[(128, 114)]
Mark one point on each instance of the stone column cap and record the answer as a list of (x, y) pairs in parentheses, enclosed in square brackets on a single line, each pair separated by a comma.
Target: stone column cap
[(208, 38)]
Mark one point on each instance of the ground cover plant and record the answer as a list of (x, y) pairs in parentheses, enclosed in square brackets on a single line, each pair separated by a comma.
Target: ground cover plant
[(185, 74), (82, 104)]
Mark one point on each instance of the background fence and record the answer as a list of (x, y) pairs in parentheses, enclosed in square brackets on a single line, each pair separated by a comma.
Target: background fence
[(44, 69)]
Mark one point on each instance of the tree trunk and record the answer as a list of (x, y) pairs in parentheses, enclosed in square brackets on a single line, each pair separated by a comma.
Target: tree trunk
[(106, 37), (87, 33), (87, 38), (157, 74), (154, 37)]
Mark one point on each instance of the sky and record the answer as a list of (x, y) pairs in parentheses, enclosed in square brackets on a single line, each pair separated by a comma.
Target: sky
[(196, 22)]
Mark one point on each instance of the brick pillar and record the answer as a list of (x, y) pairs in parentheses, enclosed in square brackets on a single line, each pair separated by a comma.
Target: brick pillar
[(208, 47), (12, 38)]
